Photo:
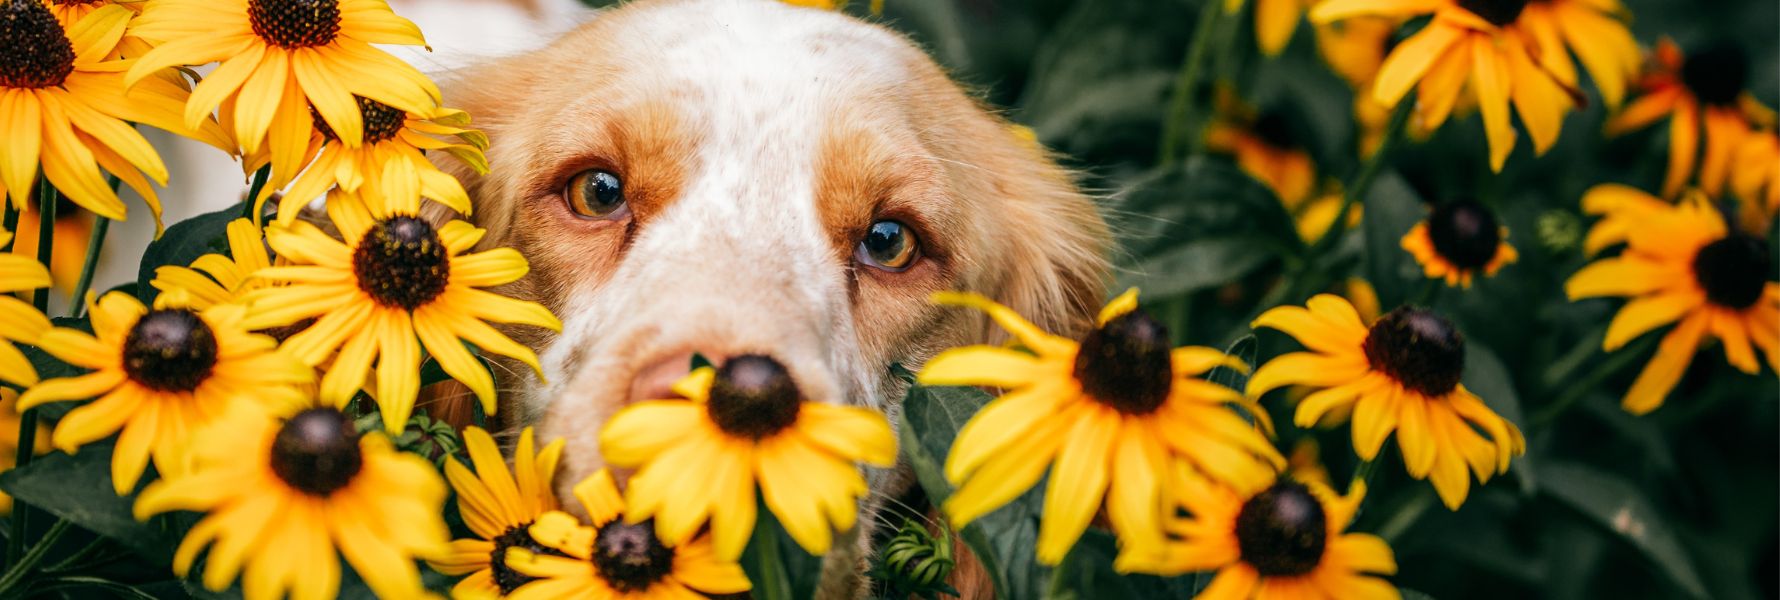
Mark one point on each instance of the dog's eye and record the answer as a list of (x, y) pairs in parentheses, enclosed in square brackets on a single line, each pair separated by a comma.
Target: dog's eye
[(595, 194), (889, 245)]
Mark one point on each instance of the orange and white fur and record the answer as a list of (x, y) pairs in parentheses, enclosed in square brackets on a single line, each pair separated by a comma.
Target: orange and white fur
[(756, 143)]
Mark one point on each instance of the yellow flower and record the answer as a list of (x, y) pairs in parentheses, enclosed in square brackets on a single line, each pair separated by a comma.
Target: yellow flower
[(1595, 31), (19, 320), (395, 285), (9, 440), (287, 492), (1484, 42), (1705, 89), (278, 59), (1459, 240), (1286, 542), (741, 425), (62, 105), (1681, 265), (390, 158), (1264, 147), (1275, 21), (498, 505), (615, 559), (1400, 374), (229, 277), (1107, 415), (1756, 179), (158, 375)]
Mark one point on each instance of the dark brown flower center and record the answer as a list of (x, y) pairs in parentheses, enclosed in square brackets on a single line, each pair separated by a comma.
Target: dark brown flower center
[(629, 558), (317, 451), (1125, 363), (37, 53), (753, 396), (1465, 234), (76, 2), (518, 536), (1282, 531), (401, 263), (382, 121), (295, 23), (170, 351), (1498, 12), (1274, 129), (1717, 73), (1419, 349), (1734, 271)]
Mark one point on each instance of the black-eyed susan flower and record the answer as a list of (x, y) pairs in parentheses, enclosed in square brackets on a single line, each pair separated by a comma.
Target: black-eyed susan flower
[(1480, 42), (498, 505), (278, 59), (158, 375), (1458, 241), (742, 425), (1595, 31), (1288, 541), (1400, 374), (390, 157), (1264, 147), (19, 321), (287, 492), (1756, 179), (614, 559), (9, 440), (1704, 89), (217, 279), (395, 285), (1275, 21), (1683, 265), (66, 109), (1106, 415)]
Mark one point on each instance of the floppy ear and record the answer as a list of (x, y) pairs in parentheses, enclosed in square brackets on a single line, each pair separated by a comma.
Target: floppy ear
[(1047, 242), (1058, 241), (494, 94)]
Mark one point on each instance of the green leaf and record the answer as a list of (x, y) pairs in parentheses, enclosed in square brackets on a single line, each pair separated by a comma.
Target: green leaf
[(1199, 264), (78, 488), (183, 243), (1392, 208), (1089, 573), (1198, 200), (1622, 509), (1409, 594), (1004, 541), (778, 566), (1489, 379)]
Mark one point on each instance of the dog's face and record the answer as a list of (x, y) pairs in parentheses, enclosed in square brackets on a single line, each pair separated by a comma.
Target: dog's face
[(730, 177)]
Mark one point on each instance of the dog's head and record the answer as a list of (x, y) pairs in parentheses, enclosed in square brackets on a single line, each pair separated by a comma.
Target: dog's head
[(730, 177)]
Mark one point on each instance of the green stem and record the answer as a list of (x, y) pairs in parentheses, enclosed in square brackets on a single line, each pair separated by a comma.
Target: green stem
[(1057, 588), (253, 192), (772, 565), (22, 567), (95, 243), (27, 438), (1577, 391), (1429, 291), (46, 238), (1361, 184), (1177, 137), (1406, 516)]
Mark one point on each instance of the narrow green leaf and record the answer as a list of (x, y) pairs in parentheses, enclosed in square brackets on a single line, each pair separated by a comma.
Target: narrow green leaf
[(183, 243), (1622, 509)]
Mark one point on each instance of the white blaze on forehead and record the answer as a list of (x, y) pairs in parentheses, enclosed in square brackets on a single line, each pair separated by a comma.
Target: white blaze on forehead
[(758, 84)]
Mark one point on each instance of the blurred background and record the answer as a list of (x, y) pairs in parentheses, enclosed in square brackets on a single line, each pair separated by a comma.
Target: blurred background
[(1679, 503)]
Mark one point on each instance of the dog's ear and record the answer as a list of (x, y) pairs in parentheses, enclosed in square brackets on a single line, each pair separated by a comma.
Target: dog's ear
[(1053, 243), (493, 95)]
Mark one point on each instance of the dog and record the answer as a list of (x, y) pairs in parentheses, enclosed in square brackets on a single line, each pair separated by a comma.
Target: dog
[(791, 182)]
